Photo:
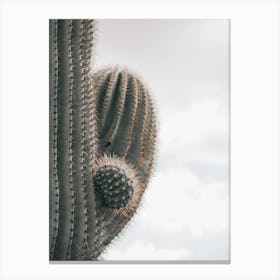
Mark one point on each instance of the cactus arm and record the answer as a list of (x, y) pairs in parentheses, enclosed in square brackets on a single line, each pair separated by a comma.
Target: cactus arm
[(127, 129)]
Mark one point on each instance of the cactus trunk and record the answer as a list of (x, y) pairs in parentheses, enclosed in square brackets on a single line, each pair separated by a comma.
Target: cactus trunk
[(72, 198)]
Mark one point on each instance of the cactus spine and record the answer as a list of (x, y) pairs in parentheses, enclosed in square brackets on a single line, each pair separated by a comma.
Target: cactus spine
[(102, 140)]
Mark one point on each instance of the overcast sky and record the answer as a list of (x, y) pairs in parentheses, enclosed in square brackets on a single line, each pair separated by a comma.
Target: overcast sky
[(185, 65)]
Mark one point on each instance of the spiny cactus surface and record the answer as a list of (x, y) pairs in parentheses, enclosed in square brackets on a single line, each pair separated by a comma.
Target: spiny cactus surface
[(72, 216), (116, 187), (127, 134), (102, 141)]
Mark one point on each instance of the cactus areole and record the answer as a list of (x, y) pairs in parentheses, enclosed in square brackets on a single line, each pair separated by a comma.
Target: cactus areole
[(102, 142)]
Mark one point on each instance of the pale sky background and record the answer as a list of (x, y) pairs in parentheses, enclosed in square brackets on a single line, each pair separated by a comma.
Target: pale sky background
[(185, 65)]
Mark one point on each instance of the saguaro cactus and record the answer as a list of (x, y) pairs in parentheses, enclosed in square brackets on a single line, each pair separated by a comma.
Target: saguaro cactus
[(102, 138)]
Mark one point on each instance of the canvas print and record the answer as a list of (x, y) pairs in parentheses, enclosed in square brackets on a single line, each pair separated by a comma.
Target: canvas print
[(139, 140)]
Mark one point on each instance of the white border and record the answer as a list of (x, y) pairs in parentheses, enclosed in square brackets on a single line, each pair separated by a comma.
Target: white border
[(254, 138)]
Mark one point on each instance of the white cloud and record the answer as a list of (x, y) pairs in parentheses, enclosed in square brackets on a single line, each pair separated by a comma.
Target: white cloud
[(147, 251), (199, 133), (177, 201)]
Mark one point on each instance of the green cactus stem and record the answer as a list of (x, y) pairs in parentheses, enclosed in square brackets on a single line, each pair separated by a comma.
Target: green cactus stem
[(72, 216)]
